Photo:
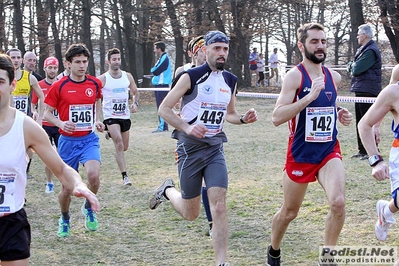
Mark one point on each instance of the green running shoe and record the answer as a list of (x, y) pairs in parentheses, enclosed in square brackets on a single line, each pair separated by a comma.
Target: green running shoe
[(63, 228), (91, 218)]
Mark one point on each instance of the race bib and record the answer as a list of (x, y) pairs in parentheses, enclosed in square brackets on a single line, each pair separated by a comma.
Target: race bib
[(55, 113), (119, 107), (320, 124), (82, 116), (212, 115), (7, 191), (21, 103)]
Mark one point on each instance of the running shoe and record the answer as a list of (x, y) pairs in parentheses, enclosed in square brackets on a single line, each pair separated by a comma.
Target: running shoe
[(382, 225), (272, 261), (49, 188), (126, 181), (91, 218), (159, 194), (63, 228)]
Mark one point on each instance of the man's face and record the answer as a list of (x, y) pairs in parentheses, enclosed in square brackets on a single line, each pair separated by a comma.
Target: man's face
[(30, 62), (157, 51), (16, 59), (216, 54), (51, 71), (78, 66), (115, 62), (361, 38), (200, 57), (315, 46), (5, 88)]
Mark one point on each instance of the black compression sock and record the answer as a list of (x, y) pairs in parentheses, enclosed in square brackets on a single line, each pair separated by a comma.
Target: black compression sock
[(274, 253), (123, 175), (27, 168)]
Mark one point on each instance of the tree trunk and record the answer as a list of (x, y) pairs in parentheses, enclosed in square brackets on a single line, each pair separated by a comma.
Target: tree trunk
[(129, 37), (55, 31), (86, 34), (42, 11), (3, 39), (176, 33), (390, 21), (357, 19), (102, 38), (18, 26)]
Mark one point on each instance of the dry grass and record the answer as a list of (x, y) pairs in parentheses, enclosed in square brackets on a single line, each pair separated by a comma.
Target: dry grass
[(131, 234)]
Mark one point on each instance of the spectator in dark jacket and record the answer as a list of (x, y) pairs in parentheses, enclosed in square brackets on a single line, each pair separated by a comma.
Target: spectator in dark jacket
[(366, 77)]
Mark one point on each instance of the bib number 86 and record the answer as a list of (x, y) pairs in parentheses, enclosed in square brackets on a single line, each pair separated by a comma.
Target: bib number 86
[(20, 105)]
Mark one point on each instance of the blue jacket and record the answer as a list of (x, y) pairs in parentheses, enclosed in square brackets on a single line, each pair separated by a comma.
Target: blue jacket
[(368, 81), (162, 71)]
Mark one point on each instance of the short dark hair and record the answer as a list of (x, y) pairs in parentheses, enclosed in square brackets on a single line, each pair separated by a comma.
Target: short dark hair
[(160, 45), (13, 50), (302, 32), (76, 50), (113, 51), (6, 64)]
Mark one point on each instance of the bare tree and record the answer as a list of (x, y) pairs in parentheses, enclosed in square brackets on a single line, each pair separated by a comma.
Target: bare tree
[(86, 33), (357, 19), (54, 28), (18, 29), (3, 38), (390, 21), (176, 32), (42, 10)]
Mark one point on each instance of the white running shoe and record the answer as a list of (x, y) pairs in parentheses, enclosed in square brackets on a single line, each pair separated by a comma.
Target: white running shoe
[(126, 181), (49, 188), (382, 225)]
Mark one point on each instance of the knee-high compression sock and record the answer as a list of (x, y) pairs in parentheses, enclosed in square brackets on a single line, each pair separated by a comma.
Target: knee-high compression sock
[(205, 202), (27, 168)]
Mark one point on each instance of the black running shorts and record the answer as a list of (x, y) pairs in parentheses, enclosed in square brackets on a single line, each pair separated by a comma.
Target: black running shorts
[(15, 237), (125, 124)]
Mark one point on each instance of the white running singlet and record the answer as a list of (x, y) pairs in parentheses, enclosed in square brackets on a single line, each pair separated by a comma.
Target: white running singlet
[(13, 167), (116, 97)]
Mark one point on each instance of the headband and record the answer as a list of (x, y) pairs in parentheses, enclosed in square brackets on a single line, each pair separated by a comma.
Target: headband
[(197, 44), (215, 36)]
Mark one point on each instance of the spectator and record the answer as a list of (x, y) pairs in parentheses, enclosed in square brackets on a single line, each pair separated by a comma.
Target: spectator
[(273, 60), (162, 78), (366, 78), (253, 68), (261, 69)]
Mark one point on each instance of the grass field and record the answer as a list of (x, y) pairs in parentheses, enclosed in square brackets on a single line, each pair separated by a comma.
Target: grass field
[(132, 234)]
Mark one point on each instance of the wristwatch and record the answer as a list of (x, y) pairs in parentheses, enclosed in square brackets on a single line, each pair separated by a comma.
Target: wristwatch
[(375, 159)]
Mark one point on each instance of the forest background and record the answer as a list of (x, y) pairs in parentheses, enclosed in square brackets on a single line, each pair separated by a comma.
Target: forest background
[(130, 233), (48, 27)]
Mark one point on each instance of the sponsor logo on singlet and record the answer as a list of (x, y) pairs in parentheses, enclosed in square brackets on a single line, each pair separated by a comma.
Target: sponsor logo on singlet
[(297, 172), (89, 92), (207, 89)]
